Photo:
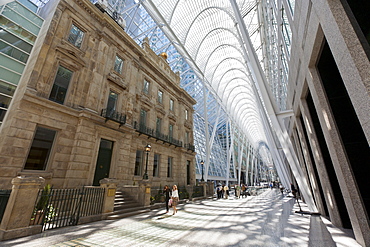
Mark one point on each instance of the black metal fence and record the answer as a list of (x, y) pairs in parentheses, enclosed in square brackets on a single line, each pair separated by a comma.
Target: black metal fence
[(4, 197), (64, 207), (158, 196), (198, 191)]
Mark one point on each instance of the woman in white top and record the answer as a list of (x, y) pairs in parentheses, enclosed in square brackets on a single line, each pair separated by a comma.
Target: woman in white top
[(175, 198)]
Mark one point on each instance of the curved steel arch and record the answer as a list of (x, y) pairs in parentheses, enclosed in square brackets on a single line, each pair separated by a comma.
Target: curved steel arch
[(233, 69), (174, 10), (223, 60), (201, 12), (218, 48), (239, 86), (218, 83), (211, 32)]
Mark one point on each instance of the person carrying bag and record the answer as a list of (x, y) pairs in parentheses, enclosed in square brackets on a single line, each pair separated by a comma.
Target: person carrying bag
[(175, 198)]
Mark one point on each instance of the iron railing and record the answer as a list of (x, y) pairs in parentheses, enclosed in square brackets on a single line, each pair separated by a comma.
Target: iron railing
[(114, 116), (198, 191), (64, 207), (158, 196), (142, 128), (4, 197), (189, 147)]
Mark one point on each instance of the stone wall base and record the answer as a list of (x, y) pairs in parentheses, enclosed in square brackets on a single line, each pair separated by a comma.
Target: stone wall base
[(19, 232)]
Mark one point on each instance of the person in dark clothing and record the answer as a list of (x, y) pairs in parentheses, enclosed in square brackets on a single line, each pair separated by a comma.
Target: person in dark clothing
[(167, 194), (293, 189)]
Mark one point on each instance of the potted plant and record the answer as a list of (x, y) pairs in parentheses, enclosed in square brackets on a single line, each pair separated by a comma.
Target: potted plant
[(41, 206)]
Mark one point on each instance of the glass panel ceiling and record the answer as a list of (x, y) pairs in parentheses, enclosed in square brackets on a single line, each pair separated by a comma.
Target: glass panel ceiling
[(206, 30)]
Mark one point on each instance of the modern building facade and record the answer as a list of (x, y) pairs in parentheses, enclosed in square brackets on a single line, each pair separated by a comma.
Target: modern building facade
[(20, 26), (89, 103), (329, 94)]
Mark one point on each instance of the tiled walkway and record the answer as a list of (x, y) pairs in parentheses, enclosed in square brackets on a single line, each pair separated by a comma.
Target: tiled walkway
[(264, 220)]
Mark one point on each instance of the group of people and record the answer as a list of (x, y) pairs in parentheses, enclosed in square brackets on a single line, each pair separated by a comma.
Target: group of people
[(241, 191), (223, 191), (171, 198), (281, 188)]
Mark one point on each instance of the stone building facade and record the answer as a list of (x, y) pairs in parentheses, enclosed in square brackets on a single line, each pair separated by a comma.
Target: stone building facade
[(89, 102)]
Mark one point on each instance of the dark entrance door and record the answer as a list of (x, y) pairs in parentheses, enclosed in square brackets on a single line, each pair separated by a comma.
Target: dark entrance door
[(103, 162)]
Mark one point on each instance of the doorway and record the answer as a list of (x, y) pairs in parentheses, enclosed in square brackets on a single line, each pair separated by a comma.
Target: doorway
[(103, 162)]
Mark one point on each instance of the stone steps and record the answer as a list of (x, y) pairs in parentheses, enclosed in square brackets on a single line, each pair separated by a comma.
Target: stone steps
[(125, 206)]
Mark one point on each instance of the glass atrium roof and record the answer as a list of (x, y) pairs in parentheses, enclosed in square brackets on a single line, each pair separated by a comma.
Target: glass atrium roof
[(207, 34)]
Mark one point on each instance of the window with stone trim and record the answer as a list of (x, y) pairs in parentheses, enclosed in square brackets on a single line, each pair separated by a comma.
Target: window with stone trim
[(76, 36), (160, 97), (169, 167), (171, 105), (60, 85), (139, 162), (143, 116), (39, 153), (187, 137), (188, 164), (118, 65), (112, 102), (158, 126), (156, 165), (170, 131), (146, 86)]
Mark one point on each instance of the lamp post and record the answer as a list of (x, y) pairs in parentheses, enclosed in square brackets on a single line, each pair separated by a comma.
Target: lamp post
[(147, 150), (202, 163)]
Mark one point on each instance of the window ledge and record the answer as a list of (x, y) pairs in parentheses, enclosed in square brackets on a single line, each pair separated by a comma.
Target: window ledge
[(35, 173), (172, 116), (117, 79), (160, 109)]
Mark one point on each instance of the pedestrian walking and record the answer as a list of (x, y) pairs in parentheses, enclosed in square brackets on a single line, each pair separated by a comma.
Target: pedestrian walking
[(237, 191), (218, 191), (244, 191), (167, 195), (175, 198), (293, 189), (281, 187), (226, 191)]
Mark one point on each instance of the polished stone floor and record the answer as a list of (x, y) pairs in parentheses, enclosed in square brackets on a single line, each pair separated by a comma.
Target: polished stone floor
[(265, 220)]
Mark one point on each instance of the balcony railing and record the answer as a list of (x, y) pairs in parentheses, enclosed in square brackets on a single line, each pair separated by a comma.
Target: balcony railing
[(142, 128), (190, 147), (114, 116)]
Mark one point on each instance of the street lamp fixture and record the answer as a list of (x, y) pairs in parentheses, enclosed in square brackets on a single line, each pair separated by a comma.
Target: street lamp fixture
[(147, 150), (202, 163)]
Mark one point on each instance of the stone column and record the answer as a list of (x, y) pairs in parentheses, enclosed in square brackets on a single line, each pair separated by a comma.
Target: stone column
[(144, 193), (210, 189), (18, 212), (205, 190), (110, 185)]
